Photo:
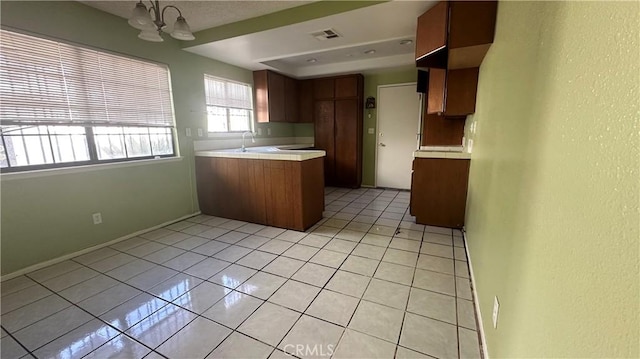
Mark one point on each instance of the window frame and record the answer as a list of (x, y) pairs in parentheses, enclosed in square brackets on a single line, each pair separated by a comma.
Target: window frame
[(88, 127), (251, 111)]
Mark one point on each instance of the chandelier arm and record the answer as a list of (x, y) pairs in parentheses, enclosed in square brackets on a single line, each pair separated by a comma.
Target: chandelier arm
[(170, 6), (155, 9)]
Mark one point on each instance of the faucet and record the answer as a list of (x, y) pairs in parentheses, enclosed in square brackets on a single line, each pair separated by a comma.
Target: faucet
[(253, 140)]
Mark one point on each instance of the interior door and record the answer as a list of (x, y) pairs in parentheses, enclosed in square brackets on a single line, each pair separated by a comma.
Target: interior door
[(398, 125), (324, 136)]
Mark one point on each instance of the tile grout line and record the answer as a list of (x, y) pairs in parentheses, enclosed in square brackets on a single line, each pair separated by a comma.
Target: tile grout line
[(252, 250)]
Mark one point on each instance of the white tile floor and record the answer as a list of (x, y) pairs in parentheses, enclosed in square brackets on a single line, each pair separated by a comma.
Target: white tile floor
[(366, 282)]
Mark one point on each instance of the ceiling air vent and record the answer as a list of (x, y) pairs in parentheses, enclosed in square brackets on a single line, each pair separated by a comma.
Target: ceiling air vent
[(323, 35)]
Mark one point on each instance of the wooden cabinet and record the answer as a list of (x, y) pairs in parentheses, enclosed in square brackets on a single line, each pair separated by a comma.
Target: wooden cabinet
[(338, 128), (431, 35), (276, 97), (452, 92), (439, 191), (442, 131), (305, 109), (286, 194), (291, 99), (324, 88), (455, 34)]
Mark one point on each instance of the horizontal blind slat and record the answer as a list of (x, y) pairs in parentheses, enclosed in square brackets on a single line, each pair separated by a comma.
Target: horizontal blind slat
[(47, 81)]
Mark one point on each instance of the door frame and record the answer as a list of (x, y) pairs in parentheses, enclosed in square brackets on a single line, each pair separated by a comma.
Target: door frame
[(379, 104)]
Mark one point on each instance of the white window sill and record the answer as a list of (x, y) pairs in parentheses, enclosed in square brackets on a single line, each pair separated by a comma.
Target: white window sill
[(81, 169)]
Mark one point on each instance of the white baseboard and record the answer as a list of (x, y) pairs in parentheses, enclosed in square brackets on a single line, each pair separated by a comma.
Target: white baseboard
[(87, 250), (485, 350)]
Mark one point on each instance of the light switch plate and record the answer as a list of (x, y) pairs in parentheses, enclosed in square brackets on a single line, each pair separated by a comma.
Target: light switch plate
[(188, 132), (200, 133)]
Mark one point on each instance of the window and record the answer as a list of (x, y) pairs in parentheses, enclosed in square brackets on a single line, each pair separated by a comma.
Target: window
[(65, 105), (229, 105)]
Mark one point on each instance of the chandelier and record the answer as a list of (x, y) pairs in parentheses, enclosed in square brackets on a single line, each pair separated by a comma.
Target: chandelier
[(151, 27)]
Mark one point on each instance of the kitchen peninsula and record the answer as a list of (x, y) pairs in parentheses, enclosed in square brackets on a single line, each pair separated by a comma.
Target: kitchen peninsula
[(275, 186)]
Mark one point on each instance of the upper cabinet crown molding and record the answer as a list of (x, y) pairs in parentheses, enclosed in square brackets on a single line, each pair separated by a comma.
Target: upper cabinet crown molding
[(455, 34)]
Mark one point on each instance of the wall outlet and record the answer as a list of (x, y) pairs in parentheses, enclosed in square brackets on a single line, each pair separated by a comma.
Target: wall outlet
[(200, 133), (97, 218), (268, 131), (259, 131), (496, 308), (188, 132), (371, 130)]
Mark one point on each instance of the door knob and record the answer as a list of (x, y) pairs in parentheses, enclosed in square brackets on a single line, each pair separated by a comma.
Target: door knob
[(382, 145)]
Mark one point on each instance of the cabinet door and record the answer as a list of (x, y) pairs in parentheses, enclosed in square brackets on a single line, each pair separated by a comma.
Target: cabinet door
[(306, 101), (437, 88), (276, 97), (452, 92), (473, 23), (261, 91), (346, 137), (323, 88), (346, 87), (431, 34), (290, 99), (324, 136), (439, 191), (461, 88)]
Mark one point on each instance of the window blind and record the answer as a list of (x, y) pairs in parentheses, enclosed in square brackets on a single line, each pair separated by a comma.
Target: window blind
[(226, 93), (48, 82)]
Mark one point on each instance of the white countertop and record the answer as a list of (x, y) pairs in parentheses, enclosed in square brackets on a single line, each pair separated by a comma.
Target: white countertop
[(442, 154), (282, 153)]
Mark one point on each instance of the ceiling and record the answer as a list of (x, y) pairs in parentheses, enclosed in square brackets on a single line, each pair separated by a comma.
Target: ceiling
[(287, 49), (201, 15)]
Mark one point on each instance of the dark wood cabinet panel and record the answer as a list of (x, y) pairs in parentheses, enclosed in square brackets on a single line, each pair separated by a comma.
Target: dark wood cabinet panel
[(472, 23), (437, 89), (439, 191), (455, 34), (286, 194), (452, 92), (346, 143), (291, 103), (441, 131), (432, 30), (338, 130), (276, 97), (325, 135), (305, 101), (346, 87), (324, 88)]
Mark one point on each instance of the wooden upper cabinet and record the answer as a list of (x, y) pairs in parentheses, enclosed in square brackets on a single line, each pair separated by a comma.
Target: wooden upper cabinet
[(276, 97), (346, 87), (291, 103), (455, 34), (324, 88), (432, 31), (452, 93), (305, 88)]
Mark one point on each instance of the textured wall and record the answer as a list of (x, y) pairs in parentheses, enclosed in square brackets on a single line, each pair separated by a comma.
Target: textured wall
[(553, 219), (47, 217)]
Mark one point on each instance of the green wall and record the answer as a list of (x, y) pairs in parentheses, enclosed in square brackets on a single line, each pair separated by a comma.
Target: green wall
[(47, 217), (552, 216), (371, 83)]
